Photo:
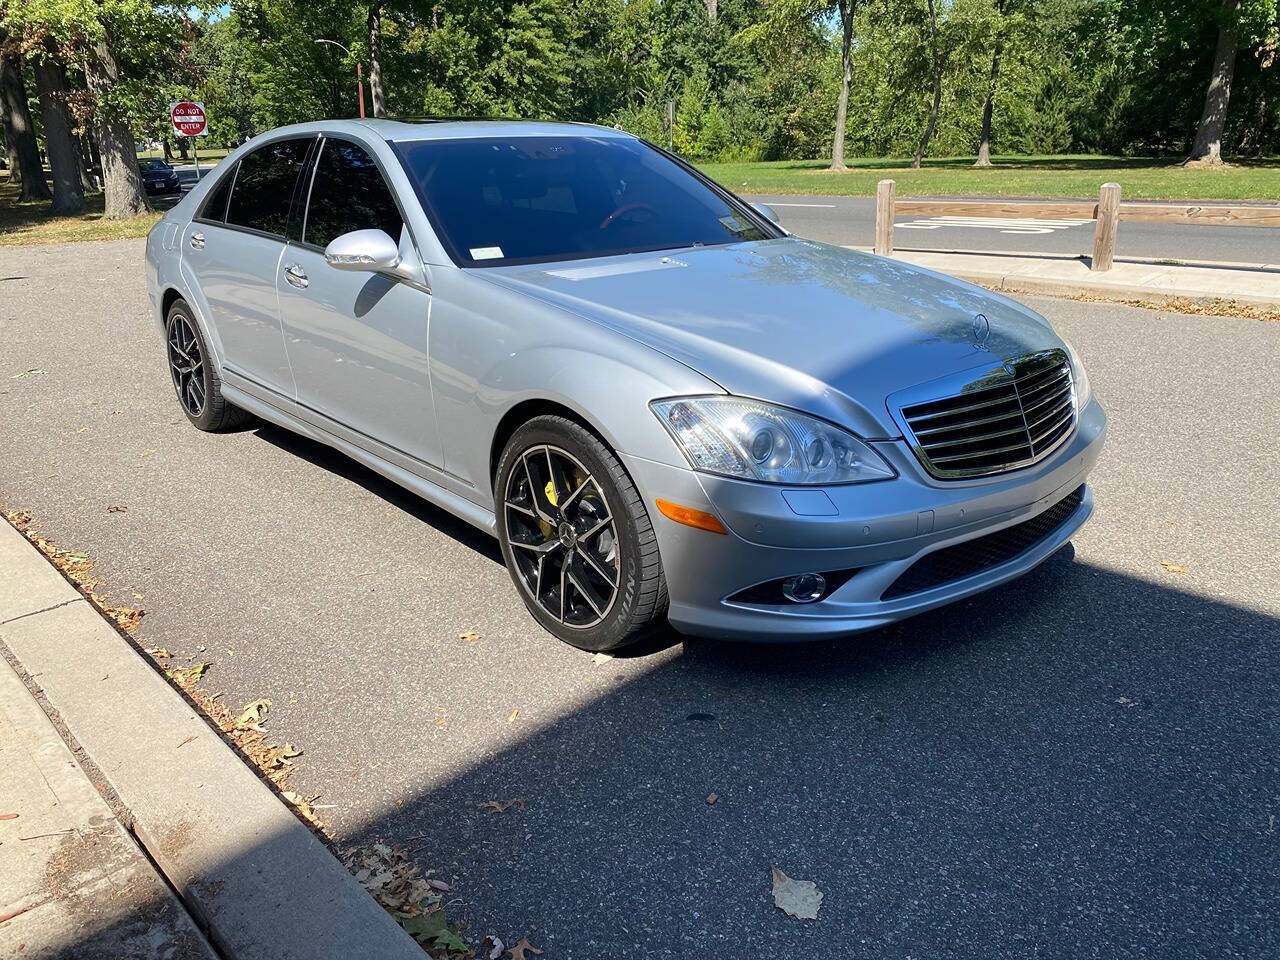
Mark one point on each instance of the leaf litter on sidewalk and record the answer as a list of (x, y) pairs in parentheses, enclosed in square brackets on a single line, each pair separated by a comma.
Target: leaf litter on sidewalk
[(397, 885)]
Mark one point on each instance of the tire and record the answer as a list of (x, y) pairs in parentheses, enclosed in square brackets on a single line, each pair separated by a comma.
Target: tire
[(554, 474), (195, 380)]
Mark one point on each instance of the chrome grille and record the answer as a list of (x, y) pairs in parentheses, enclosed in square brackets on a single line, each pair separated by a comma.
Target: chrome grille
[(1009, 417)]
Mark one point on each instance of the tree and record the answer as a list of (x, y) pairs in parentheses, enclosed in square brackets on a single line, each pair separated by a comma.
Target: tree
[(379, 103), (124, 194), (25, 169), (936, 57), (988, 105), (847, 9), (1207, 147), (59, 144)]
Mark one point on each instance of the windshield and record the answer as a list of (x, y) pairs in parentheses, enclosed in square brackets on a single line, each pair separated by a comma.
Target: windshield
[(534, 199)]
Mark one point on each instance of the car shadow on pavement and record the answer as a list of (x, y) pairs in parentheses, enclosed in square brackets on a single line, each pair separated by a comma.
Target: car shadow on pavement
[(397, 496), (1079, 763)]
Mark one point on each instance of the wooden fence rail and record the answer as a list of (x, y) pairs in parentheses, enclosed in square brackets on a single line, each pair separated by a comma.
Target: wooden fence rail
[(1107, 213)]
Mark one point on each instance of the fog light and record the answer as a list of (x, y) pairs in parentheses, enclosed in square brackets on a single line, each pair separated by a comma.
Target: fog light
[(806, 588)]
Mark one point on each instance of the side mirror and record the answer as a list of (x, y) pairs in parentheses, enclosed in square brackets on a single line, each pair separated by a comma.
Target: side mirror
[(767, 212), (370, 250)]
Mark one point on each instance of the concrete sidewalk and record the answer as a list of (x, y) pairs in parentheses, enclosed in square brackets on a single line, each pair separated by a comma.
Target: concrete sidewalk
[(256, 881), (1071, 276), (73, 883)]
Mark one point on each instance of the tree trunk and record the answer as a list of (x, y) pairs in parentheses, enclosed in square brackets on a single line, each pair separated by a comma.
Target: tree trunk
[(711, 11), (937, 86), (984, 142), (121, 182), (64, 161), (87, 180), (375, 61), (1207, 147), (847, 8), (25, 169)]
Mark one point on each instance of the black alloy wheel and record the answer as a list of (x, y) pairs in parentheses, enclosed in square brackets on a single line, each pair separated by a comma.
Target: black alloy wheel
[(576, 537), (563, 536), (186, 364)]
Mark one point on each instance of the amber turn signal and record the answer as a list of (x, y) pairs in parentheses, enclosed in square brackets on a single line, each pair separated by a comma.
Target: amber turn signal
[(690, 517)]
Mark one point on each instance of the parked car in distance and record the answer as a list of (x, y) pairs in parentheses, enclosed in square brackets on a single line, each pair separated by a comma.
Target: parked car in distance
[(664, 406), (158, 177)]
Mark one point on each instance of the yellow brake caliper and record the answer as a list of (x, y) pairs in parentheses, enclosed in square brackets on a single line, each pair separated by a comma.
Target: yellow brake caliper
[(550, 491)]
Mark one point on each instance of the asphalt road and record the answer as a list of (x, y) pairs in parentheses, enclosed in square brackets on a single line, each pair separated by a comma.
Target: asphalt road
[(1080, 764), (852, 221)]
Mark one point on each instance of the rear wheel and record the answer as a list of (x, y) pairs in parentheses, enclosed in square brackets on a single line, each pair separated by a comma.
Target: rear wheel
[(576, 537), (196, 382)]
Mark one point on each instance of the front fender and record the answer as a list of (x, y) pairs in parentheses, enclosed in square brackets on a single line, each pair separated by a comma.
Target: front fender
[(492, 350)]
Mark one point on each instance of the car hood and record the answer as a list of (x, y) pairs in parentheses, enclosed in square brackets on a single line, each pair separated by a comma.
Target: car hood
[(804, 324)]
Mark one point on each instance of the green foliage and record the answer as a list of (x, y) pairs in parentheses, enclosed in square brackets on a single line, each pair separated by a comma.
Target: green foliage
[(757, 82)]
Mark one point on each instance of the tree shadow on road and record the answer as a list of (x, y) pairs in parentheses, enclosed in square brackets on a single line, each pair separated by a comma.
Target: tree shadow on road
[(1078, 763)]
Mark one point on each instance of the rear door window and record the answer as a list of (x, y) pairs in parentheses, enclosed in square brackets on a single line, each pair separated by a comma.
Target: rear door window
[(215, 206), (348, 193), (264, 186)]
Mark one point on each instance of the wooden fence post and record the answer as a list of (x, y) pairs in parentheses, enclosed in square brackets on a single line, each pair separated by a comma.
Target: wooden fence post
[(885, 191), (1104, 236)]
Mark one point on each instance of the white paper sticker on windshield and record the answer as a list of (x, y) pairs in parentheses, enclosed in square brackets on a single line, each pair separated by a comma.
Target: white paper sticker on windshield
[(486, 253)]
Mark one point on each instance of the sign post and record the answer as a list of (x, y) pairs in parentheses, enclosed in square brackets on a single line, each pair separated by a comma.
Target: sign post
[(189, 120)]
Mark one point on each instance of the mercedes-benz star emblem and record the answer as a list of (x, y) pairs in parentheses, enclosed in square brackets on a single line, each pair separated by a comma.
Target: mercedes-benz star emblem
[(981, 331)]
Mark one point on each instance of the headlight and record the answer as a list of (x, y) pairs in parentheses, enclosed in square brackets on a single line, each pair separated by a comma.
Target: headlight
[(1078, 376), (758, 441)]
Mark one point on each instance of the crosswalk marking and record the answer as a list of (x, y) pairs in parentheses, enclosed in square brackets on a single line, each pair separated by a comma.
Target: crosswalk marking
[(1021, 225)]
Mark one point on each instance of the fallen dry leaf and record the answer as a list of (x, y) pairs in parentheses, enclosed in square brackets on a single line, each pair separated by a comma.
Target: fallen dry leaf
[(185, 676), (161, 652), (797, 898), (188, 740), (253, 714), (1173, 567), (8, 816), (501, 806), (712, 798), (522, 948), (470, 636), (514, 713)]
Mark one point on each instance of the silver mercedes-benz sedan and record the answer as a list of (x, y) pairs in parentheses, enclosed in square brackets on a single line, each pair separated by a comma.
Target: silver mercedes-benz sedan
[(663, 405)]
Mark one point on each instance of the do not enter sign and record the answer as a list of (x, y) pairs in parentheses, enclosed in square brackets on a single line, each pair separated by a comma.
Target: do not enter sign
[(188, 118)]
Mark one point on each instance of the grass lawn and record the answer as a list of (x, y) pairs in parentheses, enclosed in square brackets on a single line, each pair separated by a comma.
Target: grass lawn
[(30, 223), (1046, 176), (209, 154)]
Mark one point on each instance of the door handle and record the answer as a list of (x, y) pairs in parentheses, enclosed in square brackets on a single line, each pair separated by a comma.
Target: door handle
[(294, 273), (197, 241)]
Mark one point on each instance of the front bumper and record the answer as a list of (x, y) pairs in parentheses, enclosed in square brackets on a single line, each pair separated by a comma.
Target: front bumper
[(880, 528)]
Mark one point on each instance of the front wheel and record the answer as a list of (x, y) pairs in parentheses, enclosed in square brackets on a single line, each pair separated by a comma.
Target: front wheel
[(576, 537)]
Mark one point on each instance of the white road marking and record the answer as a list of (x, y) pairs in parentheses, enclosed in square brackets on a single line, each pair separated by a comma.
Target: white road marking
[(829, 206), (1017, 225)]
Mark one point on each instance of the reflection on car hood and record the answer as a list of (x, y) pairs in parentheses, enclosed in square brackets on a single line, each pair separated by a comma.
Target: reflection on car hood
[(800, 323)]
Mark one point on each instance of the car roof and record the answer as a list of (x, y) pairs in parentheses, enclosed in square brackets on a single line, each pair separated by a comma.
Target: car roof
[(431, 128)]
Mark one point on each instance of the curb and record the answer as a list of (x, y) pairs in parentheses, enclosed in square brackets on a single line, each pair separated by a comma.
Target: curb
[(1020, 282), (107, 897), (253, 876)]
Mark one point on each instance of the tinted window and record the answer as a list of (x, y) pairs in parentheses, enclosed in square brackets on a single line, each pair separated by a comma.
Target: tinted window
[(348, 193), (560, 198), (215, 205), (264, 186)]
